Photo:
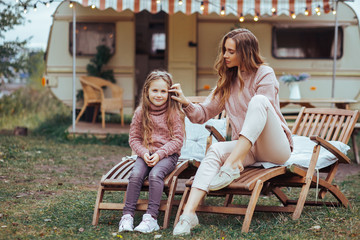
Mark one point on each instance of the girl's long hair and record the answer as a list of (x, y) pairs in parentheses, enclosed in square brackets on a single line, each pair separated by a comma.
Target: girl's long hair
[(173, 107), (248, 54)]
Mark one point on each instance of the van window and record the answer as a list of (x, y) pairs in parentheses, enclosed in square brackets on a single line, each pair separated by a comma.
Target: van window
[(91, 35), (306, 43)]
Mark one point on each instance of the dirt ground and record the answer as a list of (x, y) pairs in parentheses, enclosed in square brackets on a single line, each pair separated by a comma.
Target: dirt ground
[(347, 170)]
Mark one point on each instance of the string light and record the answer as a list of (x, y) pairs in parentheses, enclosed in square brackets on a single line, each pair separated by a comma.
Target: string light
[(293, 15), (333, 11), (25, 4), (202, 7), (306, 12), (241, 19), (222, 12)]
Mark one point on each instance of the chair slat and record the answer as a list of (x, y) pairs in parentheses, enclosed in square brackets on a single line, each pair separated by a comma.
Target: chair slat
[(320, 125), (331, 129), (315, 124), (121, 172), (309, 125), (350, 127), (302, 124), (327, 124), (344, 127), (339, 126)]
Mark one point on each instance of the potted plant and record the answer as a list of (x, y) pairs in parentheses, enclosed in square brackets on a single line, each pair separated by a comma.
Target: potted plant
[(293, 83)]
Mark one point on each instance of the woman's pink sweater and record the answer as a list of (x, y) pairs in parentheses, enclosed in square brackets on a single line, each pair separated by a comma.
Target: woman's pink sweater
[(162, 143), (263, 82)]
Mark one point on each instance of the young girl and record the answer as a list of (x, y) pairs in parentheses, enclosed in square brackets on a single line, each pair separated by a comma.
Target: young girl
[(248, 90), (156, 136)]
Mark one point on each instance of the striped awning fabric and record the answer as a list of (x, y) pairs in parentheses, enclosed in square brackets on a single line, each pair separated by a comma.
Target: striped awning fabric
[(221, 7)]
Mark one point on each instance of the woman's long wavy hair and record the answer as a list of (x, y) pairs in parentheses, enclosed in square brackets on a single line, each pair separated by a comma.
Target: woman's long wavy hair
[(173, 107), (247, 51)]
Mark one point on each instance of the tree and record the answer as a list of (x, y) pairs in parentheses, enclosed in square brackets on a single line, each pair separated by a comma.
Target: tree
[(102, 57), (12, 58)]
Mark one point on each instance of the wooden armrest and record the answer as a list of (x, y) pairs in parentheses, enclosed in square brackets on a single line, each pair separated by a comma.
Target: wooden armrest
[(328, 146), (214, 132), (176, 172)]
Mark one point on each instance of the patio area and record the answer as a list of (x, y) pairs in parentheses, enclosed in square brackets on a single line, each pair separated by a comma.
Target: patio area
[(96, 130)]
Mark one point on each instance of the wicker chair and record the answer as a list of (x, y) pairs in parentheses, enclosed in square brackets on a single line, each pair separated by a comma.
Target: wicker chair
[(94, 96)]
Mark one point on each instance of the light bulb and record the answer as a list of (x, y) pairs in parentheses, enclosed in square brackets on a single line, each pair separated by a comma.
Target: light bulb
[(256, 18), (306, 12), (180, 2), (222, 12), (202, 7)]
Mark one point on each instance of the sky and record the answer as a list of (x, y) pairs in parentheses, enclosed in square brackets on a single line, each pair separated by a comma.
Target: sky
[(37, 25)]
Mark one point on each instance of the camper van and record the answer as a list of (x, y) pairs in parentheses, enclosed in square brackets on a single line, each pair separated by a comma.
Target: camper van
[(186, 45)]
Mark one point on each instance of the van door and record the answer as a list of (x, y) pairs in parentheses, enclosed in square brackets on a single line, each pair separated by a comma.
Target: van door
[(150, 46)]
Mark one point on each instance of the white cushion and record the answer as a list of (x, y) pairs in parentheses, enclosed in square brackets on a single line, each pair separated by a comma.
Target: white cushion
[(303, 148), (196, 135)]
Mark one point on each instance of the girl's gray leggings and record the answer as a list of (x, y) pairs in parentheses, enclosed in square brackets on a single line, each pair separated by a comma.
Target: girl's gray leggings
[(156, 177)]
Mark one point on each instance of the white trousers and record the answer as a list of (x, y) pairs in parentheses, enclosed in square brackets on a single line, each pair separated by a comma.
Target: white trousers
[(262, 127)]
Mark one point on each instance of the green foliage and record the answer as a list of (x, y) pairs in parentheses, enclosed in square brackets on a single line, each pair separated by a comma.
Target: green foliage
[(95, 67), (12, 52), (35, 66), (29, 107)]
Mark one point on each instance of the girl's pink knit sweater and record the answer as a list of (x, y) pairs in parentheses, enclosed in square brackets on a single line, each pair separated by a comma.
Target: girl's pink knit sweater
[(162, 143), (262, 82)]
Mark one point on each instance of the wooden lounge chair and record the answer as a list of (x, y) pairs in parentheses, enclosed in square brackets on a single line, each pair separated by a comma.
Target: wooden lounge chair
[(321, 125), (94, 96), (117, 180)]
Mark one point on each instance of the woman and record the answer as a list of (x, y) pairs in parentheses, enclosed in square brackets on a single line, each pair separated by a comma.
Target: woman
[(248, 90)]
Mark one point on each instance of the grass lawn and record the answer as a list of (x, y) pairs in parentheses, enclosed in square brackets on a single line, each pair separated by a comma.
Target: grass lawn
[(48, 189)]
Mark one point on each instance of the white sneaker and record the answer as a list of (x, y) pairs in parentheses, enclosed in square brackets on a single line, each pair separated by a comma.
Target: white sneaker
[(126, 223), (185, 224), (148, 224)]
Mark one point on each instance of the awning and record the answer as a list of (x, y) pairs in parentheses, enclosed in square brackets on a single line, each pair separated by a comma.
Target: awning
[(222, 7)]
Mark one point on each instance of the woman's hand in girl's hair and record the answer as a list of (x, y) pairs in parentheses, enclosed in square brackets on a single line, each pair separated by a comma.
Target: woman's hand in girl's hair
[(154, 159), (178, 94)]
